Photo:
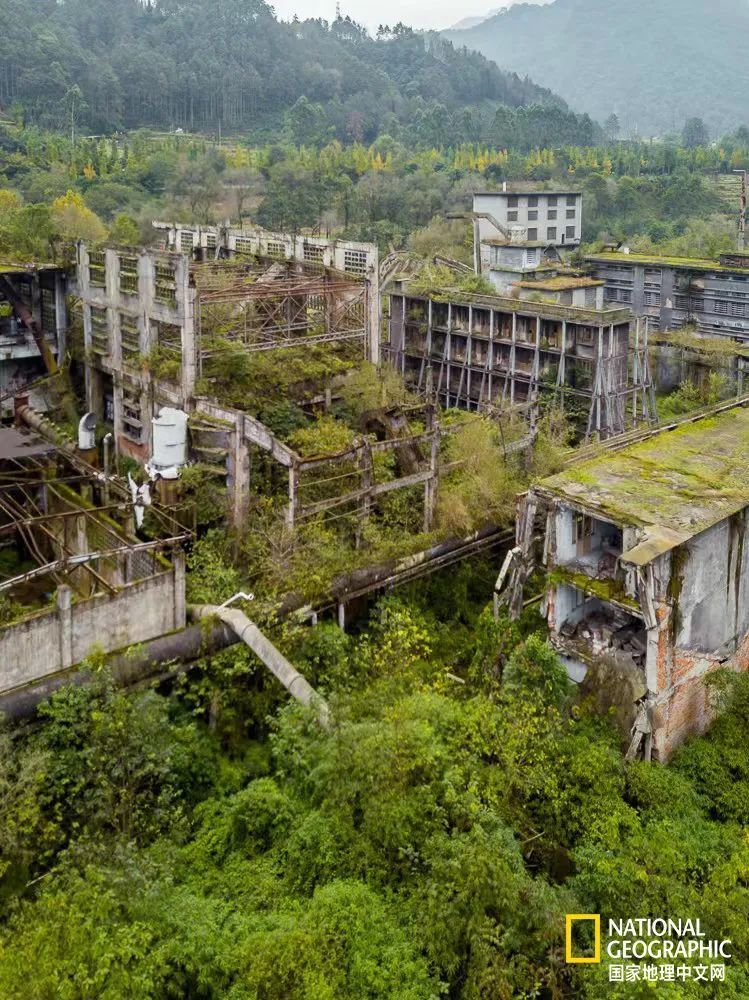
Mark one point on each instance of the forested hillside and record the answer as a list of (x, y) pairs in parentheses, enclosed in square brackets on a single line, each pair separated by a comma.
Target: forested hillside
[(654, 63), (106, 65)]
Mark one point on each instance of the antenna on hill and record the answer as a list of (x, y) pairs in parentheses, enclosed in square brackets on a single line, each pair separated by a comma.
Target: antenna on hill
[(338, 11)]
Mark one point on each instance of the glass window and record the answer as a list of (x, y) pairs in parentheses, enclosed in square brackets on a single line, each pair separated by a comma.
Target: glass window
[(551, 200), (551, 233), (570, 232), (552, 213), (571, 199), (512, 216), (512, 201), (532, 215), (570, 213), (532, 201), (532, 234)]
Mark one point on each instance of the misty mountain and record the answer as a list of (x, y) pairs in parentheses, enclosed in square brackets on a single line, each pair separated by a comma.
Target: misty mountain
[(471, 22), (652, 62)]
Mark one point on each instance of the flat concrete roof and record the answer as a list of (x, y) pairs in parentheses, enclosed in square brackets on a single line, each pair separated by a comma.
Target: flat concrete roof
[(496, 241), (6, 267), (515, 194), (675, 484), (653, 260)]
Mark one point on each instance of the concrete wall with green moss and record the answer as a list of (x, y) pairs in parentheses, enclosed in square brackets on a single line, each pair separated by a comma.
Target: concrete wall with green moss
[(710, 588)]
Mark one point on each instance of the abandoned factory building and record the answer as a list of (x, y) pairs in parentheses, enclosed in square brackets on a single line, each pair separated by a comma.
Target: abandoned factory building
[(648, 573), (711, 295)]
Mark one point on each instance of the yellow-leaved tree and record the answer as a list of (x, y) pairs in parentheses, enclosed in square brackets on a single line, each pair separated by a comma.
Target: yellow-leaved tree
[(74, 220)]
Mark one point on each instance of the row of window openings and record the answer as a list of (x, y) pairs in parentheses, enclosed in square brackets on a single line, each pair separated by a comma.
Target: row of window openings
[(166, 335), (533, 215), (514, 200), (551, 234), (684, 302)]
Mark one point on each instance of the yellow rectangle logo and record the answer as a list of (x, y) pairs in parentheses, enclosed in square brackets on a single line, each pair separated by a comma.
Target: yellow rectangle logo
[(593, 959)]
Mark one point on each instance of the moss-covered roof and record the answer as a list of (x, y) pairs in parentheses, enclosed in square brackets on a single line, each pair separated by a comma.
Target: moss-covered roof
[(653, 260), (678, 482), (560, 284)]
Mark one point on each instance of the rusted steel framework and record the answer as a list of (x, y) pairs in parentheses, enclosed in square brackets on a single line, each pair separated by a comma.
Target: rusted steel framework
[(266, 305), (46, 511)]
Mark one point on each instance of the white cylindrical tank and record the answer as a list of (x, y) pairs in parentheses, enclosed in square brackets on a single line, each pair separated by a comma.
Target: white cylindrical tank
[(169, 439)]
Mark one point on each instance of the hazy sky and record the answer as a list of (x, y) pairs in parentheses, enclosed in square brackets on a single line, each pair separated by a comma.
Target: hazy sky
[(416, 13)]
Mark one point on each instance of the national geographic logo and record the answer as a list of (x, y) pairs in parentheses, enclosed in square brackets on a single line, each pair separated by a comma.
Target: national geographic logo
[(647, 949), (574, 919)]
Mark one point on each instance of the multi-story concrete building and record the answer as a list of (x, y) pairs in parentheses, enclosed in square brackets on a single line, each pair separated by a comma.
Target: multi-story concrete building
[(135, 304), (146, 314), (546, 218), (712, 295), (648, 573), (554, 337)]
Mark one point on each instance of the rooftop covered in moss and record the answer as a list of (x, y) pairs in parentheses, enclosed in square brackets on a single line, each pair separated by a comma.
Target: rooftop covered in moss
[(676, 484), (561, 283), (655, 260)]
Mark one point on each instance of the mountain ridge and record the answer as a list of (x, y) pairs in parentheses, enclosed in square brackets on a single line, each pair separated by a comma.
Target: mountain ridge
[(654, 63)]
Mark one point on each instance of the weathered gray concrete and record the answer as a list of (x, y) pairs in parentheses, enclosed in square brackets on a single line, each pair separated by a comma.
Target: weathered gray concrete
[(55, 640)]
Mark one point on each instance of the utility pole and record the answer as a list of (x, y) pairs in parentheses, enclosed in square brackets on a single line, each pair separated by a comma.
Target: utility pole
[(742, 211)]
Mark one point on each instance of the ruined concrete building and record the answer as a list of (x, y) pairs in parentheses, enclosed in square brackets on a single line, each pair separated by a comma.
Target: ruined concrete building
[(156, 325), (149, 317), (33, 326), (505, 351), (648, 572), (360, 260), (712, 295)]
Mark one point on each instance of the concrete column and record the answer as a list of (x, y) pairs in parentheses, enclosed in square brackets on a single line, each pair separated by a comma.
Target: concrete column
[(562, 374), (117, 407), (374, 310), (293, 487), (178, 577), (65, 618), (240, 481), (668, 298), (146, 297), (188, 320), (512, 358), (61, 317), (36, 300), (638, 289), (146, 416)]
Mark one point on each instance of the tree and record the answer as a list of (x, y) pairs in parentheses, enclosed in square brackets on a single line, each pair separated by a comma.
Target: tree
[(694, 133), (611, 126), (74, 220), (125, 231), (198, 183)]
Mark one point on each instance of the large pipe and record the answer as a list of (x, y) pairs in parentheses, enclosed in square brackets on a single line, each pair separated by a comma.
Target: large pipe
[(298, 686), (157, 658), (38, 422)]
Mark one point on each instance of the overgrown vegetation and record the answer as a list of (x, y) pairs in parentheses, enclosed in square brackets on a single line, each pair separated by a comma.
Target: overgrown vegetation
[(215, 843)]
